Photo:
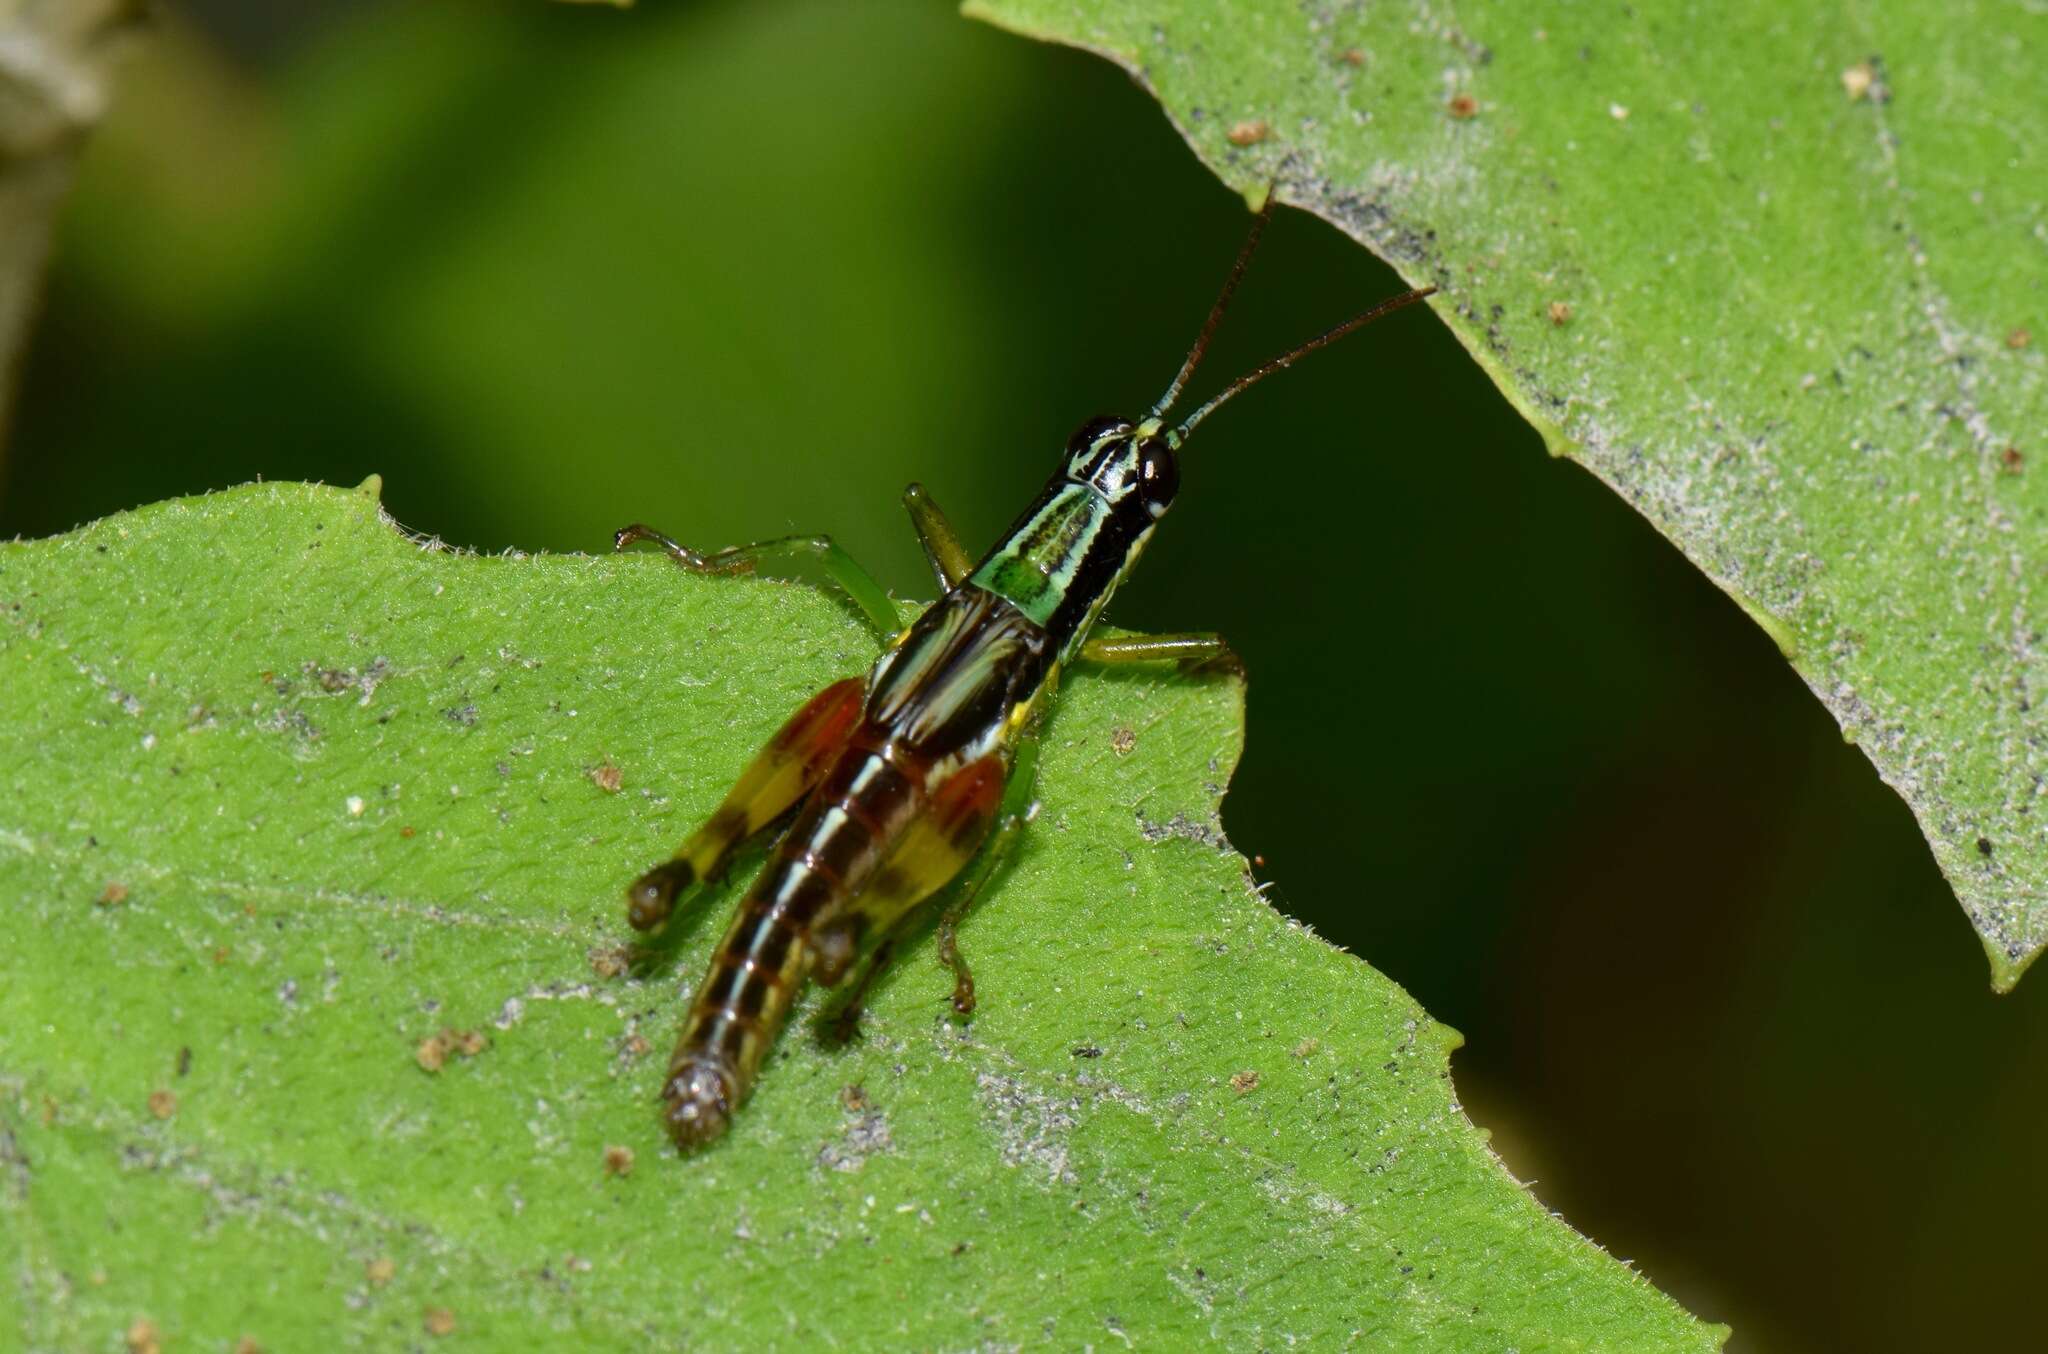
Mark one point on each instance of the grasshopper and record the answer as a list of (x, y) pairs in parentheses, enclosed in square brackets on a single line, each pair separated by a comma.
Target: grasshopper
[(921, 773)]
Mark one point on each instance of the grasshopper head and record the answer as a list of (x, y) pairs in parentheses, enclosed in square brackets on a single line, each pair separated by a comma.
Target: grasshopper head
[(1135, 467)]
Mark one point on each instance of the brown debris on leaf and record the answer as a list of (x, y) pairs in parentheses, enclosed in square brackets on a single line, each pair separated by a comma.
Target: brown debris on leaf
[(432, 1053)]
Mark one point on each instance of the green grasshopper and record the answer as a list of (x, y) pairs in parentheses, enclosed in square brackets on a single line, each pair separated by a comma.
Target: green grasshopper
[(902, 779)]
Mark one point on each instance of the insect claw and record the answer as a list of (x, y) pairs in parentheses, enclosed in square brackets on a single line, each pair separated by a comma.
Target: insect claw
[(640, 531), (950, 956), (1223, 663), (845, 1026), (675, 550), (653, 895)]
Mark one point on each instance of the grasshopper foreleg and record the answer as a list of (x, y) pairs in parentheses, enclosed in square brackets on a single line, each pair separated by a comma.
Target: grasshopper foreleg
[(860, 587)]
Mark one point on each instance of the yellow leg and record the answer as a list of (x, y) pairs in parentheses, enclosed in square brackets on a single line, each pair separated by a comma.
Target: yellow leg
[(924, 860), (954, 835), (783, 772), (1190, 650)]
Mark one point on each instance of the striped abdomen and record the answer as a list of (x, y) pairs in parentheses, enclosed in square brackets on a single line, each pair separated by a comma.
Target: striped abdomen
[(794, 924), (910, 791)]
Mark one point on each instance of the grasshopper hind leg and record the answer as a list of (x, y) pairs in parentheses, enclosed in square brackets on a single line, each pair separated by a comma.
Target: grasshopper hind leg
[(653, 895), (782, 773), (973, 827)]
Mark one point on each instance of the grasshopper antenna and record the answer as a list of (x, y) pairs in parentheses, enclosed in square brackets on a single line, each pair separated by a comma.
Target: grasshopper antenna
[(1194, 358), (1289, 358)]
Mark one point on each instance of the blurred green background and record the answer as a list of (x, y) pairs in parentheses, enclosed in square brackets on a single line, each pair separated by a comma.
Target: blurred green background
[(743, 270)]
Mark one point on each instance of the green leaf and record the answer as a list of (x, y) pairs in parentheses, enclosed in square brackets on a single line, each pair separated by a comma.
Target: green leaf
[(290, 794), (1776, 275)]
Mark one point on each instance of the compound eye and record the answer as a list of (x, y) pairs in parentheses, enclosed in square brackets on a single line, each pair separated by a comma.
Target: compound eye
[(1158, 475), (1093, 431)]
